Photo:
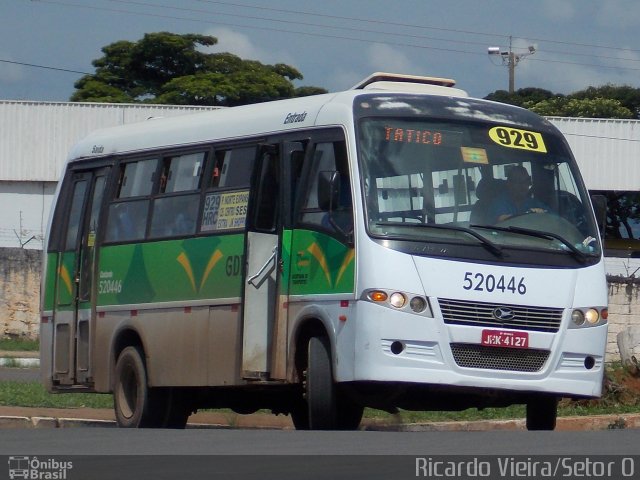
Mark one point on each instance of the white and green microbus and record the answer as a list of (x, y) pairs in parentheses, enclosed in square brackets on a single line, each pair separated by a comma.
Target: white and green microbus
[(318, 255)]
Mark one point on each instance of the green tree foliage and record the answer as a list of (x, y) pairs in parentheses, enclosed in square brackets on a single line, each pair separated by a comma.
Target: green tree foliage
[(168, 68), (582, 107), (608, 101), (521, 97)]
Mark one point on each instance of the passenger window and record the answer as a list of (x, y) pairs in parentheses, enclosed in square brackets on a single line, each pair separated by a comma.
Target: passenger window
[(223, 209), (77, 202), (329, 156), (136, 178), (174, 213), (233, 167), (174, 216), (267, 194), (127, 221), (181, 173)]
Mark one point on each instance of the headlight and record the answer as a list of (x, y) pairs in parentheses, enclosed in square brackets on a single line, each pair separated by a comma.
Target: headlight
[(578, 317), (588, 317), (592, 316), (403, 301), (418, 304), (397, 299)]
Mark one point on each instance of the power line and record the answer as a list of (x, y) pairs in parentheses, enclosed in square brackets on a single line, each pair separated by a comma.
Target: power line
[(377, 22), (289, 22), (325, 35), (368, 20), (43, 66), (272, 29)]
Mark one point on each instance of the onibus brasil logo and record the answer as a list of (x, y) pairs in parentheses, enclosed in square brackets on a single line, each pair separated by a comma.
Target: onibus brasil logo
[(37, 468)]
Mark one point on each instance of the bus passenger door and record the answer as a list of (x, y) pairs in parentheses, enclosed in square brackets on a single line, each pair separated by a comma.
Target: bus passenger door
[(73, 315), (262, 262)]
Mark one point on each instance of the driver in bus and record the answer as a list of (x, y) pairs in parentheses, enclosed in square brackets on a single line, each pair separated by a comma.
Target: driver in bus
[(516, 198)]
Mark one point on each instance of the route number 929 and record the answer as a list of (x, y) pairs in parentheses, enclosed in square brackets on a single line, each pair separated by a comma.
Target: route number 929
[(491, 283), (516, 138)]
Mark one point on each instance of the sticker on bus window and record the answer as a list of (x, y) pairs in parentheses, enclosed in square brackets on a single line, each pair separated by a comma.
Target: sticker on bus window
[(474, 155), (225, 211), (516, 138)]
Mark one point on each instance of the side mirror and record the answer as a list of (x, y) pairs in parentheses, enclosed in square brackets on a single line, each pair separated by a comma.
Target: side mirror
[(328, 190), (600, 209)]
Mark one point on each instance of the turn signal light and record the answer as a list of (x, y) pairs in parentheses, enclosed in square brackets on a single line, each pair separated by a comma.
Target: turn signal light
[(378, 296)]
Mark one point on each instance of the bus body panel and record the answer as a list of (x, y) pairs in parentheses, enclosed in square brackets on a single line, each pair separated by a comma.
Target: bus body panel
[(187, 302)]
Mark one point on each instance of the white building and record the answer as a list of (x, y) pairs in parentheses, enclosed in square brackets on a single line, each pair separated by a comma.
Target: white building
[(35, 138), (608, 153)]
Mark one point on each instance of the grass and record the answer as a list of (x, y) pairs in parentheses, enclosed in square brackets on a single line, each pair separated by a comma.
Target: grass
[(621, 395), (33, 394), (19, 345)]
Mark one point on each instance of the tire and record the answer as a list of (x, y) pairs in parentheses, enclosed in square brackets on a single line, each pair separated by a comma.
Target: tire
[(135, 404), (328, 408), (542, 413), (300, 413), (177, 409)]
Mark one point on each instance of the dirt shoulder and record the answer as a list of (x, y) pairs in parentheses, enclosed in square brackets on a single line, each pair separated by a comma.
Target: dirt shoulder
[(26, 417)]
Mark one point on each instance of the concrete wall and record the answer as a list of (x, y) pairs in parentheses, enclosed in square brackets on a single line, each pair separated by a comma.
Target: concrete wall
[(20, 298), (20, 292), (624, 310)]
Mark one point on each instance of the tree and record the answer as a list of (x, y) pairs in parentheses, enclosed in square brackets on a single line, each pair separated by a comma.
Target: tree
[(608, 101), (628, 97), (520, 97), (584, 107), (169, 68)]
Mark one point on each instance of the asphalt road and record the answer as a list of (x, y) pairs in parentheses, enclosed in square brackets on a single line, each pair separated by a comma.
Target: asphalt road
[(259, 454), (107, 441), (19, 374)]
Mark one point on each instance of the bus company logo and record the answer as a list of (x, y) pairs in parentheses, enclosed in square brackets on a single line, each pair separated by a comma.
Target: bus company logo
[(295, 118), (503, 314), (38, 469)]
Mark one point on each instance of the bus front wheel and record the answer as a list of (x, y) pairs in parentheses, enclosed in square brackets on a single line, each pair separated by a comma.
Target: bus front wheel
[(542, 413), (138, 406), (328, 407)]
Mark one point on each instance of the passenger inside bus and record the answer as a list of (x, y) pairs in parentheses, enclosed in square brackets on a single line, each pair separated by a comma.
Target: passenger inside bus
[(516, 198)]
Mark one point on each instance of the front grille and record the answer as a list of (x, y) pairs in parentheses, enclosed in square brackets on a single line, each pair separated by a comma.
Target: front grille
[(469, 355), (539, 319)]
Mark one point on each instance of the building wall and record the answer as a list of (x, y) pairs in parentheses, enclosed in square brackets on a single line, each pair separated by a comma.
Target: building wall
[(20, 292), (35, 138), (24, 213)]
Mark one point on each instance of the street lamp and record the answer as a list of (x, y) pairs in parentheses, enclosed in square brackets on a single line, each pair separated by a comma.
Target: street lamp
[(510, 59)]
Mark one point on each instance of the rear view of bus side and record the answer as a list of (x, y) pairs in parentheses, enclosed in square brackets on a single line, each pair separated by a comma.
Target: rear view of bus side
[(319, 255)]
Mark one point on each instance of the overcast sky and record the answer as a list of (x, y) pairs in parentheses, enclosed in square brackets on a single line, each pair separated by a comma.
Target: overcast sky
[(335, 43)]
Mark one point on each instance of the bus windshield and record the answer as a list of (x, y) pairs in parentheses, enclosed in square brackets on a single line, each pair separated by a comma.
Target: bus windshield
[(483, 183)]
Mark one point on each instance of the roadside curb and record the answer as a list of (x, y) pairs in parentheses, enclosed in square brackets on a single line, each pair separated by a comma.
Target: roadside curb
[(19, 359), (269, 422)]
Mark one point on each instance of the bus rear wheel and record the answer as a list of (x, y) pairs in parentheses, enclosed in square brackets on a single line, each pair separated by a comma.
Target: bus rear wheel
[(328, 407), (138, 406), (542, 413)]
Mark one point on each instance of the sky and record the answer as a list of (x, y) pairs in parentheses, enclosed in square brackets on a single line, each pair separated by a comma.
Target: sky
[(46, 45)]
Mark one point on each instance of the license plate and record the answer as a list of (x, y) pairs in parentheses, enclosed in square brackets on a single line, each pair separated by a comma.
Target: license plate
[(505, 338)]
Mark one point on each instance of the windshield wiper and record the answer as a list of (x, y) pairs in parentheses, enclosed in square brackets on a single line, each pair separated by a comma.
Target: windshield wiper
[(580, 256), (488, 244)]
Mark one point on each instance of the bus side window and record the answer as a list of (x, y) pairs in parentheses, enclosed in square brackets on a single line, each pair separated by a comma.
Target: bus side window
[(174, 213), (233, 167), (128, 213), (329, 156), (227, 195), (267, 198)]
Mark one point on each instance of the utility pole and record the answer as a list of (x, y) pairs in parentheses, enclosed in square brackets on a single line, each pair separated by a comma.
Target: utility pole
[(511, 59)]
